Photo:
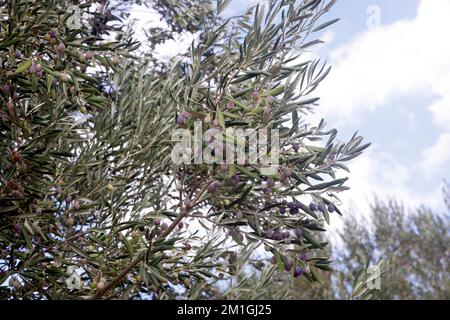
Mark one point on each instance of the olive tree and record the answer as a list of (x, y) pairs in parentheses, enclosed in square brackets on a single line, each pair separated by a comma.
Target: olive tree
[(93, 204)]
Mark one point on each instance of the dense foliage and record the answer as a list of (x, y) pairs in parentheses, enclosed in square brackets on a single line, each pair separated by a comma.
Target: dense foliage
[(411, 243), (91, 203)]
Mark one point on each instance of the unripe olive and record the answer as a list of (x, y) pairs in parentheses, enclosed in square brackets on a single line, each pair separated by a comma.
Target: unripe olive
[(70, 222), (61, 48), (36, 227), (116, 59), (101, 284), (64, 77), (10, 107), (82, 57)]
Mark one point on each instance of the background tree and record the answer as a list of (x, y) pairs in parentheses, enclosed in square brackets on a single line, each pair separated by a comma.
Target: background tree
[(411, 243), (92, 206)]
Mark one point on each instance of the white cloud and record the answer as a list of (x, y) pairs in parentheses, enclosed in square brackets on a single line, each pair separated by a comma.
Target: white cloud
[(406, 58), (379, 174), (436, 155)]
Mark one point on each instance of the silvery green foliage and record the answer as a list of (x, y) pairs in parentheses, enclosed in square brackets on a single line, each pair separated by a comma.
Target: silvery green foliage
[(109, 203), (412, 244)]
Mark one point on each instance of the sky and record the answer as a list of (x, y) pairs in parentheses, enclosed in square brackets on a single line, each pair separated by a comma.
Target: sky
[(390, 81)]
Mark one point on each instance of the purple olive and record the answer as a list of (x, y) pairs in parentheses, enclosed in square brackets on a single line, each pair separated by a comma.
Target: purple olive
[(277, 235), (303, 256), (293, 211), (270, 183), (286, 234), (6, 89), (269, 234), (288, 266), (58, 190), (282, 210), (235, 179), (273, 260), (52, 34), (88, 55), (299, 232), (292, 205), (295, 147), (321, 207), (180, 120), (312, 206), (16, 228), (298, 271), (18, 54), (32, 69), (331, 208)]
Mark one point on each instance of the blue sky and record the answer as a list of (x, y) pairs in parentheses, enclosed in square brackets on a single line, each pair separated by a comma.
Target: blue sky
[(390, 82)]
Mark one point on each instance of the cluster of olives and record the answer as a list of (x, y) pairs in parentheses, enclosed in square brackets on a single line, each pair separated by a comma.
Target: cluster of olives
[(321, 207), (288, 265)]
